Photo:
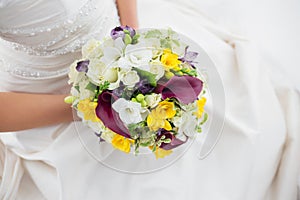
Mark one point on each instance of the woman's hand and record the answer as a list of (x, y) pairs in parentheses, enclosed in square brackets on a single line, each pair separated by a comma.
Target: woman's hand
[(19, 111), (128, 13)]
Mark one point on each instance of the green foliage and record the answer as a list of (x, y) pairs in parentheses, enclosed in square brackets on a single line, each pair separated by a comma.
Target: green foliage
[(135, 39), (153, 34), (146, 75), (91, 87)]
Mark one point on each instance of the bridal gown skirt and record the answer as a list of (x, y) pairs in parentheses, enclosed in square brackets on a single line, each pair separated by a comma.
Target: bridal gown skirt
[(254, 158)]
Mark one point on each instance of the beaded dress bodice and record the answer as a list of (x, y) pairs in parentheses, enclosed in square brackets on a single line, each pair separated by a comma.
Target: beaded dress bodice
[(41, 38)]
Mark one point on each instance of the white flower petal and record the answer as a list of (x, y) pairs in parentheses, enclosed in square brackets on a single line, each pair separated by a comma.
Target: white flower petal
[(130, 78), (119, 104)]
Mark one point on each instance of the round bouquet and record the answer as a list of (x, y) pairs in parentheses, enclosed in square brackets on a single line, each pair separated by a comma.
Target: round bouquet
[(139, 89)]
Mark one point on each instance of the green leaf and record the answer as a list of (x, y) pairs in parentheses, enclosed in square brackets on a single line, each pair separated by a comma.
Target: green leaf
[(103, 86), (77, 88), (171, 32), (127, 39), (135, 39), (153, 34), (205, 117), (91, 87), (147, 75), (165, 43)]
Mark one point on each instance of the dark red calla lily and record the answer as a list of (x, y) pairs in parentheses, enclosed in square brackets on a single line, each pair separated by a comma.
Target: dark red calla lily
[(108, 116), (185, 89), (174, 141)]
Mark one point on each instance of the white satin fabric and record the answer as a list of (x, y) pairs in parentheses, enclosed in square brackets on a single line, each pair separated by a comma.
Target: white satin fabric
[(256, 157)]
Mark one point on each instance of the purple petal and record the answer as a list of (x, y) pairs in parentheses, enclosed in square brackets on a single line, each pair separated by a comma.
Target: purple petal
[(108, 116), (119, 91), (174, 141), (131, 30), (117, 32), (190, 56), (82, 66), (185, 89), (144, 86)]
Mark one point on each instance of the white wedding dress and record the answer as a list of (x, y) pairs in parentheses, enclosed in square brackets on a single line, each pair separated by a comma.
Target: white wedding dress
[(255, 158)]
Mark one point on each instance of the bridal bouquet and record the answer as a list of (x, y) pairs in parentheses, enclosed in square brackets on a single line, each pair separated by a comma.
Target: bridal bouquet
[(139, 89)]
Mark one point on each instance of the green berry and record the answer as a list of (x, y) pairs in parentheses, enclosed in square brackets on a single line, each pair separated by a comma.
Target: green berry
[(134, 100), (144, 103), (140, 97), (69, 99)]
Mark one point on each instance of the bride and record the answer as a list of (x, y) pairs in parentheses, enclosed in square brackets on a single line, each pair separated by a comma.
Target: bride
[(42, 156)]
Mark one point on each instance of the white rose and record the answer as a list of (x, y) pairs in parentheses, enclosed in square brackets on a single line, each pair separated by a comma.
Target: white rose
[(138, 56), (158, 70), (130, 78), (186, 124), (89, 48), (152, 100), (96, 70), (129, 112), (154, 68), (96, 53)]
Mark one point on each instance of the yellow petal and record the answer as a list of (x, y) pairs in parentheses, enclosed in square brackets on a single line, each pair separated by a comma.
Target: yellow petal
[(121, 143), (88, 109), (161, 153), (200, 104), (168, 108), (167, 126)]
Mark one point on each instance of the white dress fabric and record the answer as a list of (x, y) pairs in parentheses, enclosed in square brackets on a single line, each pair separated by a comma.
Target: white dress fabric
[(256, 158)]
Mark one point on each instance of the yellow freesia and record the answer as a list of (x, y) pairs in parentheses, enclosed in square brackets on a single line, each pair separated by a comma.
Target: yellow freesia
[(170, 60), (121, 143), (158, 117), (167, 109), (200, 105), (161, 153), (87, 107)]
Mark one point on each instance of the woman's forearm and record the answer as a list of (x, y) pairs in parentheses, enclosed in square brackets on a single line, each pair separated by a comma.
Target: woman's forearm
[(19, 111), (128, 12)]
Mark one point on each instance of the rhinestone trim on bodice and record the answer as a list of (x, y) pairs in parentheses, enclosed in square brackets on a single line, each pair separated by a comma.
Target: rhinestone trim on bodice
[(65, 40), (64, 30)]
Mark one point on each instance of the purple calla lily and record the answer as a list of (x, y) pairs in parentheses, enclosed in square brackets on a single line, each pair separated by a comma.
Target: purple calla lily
[(108, 116), (185, 89), (82, 66)]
